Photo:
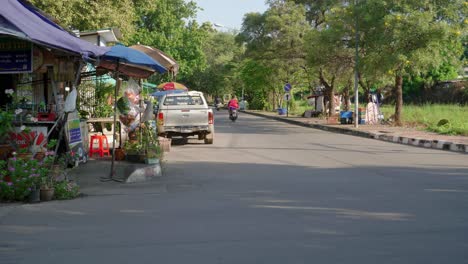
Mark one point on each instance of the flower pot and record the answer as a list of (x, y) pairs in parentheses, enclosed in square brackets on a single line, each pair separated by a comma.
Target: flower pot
[(5, 151), (24, 156), (140, 158), (39, 156), (151, 160), (47, 194), (34, 196), (119, 154)]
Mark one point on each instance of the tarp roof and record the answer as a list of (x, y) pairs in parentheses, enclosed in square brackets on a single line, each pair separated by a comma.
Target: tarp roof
[(21, 20), (130, 62), (165, 60)]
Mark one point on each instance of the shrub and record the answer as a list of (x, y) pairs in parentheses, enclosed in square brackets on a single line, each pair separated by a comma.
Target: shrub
[(65, 190)]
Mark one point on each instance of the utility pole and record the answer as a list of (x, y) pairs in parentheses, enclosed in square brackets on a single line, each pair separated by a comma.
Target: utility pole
[(356, 75)]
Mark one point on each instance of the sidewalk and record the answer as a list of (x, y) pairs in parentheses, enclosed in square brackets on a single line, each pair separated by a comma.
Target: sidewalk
[(90, 176), (401, 135)]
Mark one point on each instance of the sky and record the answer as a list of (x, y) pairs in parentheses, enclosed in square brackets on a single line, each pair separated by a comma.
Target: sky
[(228, 13)]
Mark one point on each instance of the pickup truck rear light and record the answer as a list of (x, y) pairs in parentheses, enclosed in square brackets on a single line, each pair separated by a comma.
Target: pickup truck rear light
[(210, 118), (161, 118)]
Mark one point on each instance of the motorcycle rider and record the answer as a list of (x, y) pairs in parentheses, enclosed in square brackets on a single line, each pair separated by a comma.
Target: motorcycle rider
[(233, 104)]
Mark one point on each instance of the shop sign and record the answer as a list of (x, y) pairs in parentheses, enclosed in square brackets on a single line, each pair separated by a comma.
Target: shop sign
[(74, 131), (75, 137), (15, 56)]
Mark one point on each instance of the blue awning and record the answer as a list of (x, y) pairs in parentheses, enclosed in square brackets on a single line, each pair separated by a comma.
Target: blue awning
[(122, 54), (20, 20)]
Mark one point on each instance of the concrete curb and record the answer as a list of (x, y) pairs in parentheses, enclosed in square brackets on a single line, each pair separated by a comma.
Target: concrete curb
[(424, 143)]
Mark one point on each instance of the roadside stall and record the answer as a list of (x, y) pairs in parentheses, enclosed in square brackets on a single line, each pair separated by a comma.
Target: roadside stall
[(127, 62), (40, 64)]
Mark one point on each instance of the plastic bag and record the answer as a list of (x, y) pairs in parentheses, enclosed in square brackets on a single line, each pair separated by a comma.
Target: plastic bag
[(128, 106), (70, 102)]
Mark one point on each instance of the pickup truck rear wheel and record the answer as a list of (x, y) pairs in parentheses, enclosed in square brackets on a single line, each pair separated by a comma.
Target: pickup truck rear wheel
[(209, 138)]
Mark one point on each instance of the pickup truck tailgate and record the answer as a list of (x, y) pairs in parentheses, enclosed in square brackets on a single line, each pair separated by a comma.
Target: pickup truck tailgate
[(185, 116)]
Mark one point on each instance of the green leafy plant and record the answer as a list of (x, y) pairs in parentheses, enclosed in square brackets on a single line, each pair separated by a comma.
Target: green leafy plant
[(146, 143), (18, 177), (154, 152), (6, 120), (51, 144), (7, 115), (65, 190)]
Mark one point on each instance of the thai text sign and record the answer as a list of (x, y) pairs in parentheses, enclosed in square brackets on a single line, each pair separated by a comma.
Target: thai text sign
[(15, 55), (74, 131)]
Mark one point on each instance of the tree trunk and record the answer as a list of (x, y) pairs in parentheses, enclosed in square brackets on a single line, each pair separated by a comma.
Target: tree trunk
[(365, 87), (331, 105), (346, 99), (329, 92), (399, 99)]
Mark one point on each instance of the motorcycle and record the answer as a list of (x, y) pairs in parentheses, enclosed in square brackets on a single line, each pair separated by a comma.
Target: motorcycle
[(233, 114), (218, 106)]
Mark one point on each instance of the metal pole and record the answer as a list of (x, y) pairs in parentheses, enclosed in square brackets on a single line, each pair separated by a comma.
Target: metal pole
[(112, 171), (287, 109), (356, 76), (117, 86)]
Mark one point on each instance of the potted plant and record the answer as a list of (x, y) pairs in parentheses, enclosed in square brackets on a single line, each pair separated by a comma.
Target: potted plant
[(66, 189), (49, 172), (145, 148), (134, 151), (120, 154), (153, 154), (19, 178)]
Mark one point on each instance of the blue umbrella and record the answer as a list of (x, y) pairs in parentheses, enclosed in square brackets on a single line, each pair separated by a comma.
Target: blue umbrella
[(121, 54)]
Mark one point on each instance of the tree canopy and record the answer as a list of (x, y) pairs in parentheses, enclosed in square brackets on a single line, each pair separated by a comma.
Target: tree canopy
[(308, 43)]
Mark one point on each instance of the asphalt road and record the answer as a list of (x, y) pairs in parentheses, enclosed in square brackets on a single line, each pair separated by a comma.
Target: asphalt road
[(265, 192)]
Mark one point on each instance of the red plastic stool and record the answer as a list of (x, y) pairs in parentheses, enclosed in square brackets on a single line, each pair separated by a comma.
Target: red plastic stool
[(101, 150)]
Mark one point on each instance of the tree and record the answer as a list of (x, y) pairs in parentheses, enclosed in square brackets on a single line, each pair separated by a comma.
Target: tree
[(410, 37), (222, 54), (317, 10), (170, 25), (91, 15), (275, 40), (330, 53), (256, 78)]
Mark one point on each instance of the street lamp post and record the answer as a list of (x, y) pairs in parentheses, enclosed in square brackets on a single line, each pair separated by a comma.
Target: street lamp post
[(356, 75)]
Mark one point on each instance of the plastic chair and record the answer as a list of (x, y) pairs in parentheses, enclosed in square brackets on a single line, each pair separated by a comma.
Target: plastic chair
[(101, 150)]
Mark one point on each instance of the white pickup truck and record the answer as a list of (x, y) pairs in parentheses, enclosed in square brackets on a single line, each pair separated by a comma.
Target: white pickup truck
[(185, 114)]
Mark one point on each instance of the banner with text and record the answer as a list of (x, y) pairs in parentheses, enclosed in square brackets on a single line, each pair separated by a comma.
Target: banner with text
[(15, 56)]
